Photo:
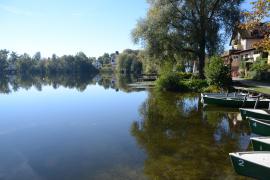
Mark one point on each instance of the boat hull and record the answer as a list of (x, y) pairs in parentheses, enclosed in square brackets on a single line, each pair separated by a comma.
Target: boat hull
[(250, 113), (259, 145), (259, 127), (249, 169), (234, 102)]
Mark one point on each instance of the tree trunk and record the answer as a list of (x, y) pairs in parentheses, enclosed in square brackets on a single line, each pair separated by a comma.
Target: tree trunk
[(201, 64), (202, 53), (202, 44)]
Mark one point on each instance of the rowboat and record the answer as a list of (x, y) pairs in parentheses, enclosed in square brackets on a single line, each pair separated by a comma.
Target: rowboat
[(252, 164), (261, 143), (236, 102), (223, 94), (259, 126), (255, 113)]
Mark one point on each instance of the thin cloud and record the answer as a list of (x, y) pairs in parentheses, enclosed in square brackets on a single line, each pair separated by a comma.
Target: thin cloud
[(15, 10)]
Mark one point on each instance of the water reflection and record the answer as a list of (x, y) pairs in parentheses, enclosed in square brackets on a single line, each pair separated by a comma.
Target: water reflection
[(66, 133), (183, 141), (85, 134), (9, 84)]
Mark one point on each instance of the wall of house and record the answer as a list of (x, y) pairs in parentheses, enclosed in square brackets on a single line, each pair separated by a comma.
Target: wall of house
[(243, 44), (250, 43), (235, 68)]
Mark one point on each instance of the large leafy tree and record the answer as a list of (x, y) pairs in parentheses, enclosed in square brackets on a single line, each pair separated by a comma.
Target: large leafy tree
[(3, 60), (193, 28), (253, 18)]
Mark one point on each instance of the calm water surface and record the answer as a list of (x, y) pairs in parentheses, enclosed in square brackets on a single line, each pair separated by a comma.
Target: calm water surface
[(101, 129)]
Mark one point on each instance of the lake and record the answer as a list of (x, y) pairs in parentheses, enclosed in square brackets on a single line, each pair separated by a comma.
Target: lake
[(72, 128)]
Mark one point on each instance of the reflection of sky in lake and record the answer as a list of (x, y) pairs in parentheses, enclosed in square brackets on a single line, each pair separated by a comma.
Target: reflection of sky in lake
[(66, 134), (188, 105), (223, 128)]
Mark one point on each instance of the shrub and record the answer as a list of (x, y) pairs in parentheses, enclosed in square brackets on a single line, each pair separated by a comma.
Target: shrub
[(184, 75), (242, 68), (258, 69), (212, 89), (217, 73), (170, 82), (195, 84)]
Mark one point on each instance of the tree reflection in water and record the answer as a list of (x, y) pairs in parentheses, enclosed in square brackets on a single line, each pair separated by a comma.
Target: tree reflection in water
[(182, 141), (9, 84)]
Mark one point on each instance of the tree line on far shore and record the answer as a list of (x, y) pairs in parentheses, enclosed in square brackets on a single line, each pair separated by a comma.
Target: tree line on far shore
[(12, 63)]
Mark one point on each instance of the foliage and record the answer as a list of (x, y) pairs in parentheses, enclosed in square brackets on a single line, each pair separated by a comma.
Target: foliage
[(3, 60), (195, 85), (128, 62), (217, 73), (183, 75), (150, 66), (242, 68), (175, 30), (180, 82), (25, 64), (254, 18), (170, 82), (212, 89), (105, 59), (106, 69), (258, 68)]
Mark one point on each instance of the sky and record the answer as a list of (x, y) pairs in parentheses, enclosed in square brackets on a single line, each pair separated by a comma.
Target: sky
[(70, 26)]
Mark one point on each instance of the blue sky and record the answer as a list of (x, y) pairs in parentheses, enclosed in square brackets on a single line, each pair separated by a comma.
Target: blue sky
[(69, 26)]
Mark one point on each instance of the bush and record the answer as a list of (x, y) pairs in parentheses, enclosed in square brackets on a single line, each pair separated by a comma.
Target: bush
[(212, 89), (184, 75), (259, 69), (170, 82), (195, 84), (173, 82), (217, 73)]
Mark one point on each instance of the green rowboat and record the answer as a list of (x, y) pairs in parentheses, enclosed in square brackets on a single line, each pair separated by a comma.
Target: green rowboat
[(252, 164), (259, 126), (255, 113), (223, 94), (236, 102), (261, 143)]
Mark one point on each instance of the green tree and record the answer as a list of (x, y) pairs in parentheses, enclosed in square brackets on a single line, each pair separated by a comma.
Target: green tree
[(105, 59), (217, 73), (37, 56), (180, 28), (24, 64), (13, 57), (3, 60), (258, 14), (128, 62)]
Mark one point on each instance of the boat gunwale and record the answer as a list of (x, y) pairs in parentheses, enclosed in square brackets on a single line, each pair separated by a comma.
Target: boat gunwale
[(250, 152), (258, 111), (262, 121), (237, 99)]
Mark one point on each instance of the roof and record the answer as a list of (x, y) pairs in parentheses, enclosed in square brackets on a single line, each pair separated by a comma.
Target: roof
[(256, 33), (247, 50)]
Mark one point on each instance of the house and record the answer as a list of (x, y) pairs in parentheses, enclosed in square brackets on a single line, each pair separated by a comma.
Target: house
[(243, 51)]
